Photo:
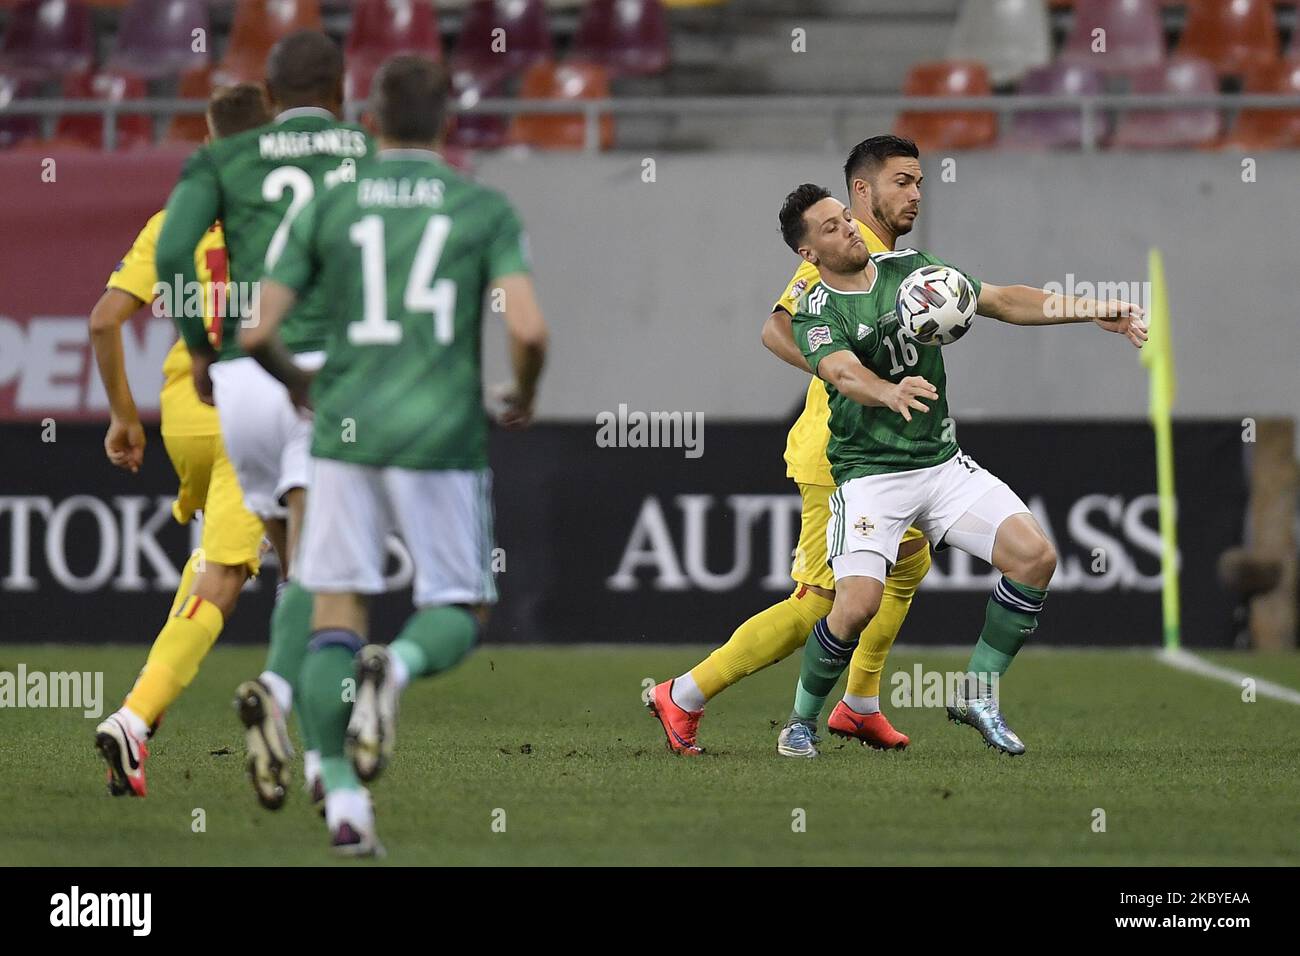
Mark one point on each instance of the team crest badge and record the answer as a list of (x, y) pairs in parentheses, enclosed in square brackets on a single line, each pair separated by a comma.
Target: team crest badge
[(864, 526)]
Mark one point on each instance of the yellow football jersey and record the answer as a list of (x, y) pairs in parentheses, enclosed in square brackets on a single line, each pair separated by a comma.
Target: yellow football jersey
[(183, 413), (805, 446)]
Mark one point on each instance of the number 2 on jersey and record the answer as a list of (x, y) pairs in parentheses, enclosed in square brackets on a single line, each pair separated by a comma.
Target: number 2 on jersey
[(422, 293)]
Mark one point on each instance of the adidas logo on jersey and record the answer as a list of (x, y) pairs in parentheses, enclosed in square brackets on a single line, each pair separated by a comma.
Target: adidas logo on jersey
[(863, 331)]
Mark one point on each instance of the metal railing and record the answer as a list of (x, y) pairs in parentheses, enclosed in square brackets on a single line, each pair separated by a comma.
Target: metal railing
[(835, 108)]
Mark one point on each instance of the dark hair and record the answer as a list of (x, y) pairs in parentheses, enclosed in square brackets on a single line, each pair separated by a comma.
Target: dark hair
[(796, 204), (233, 109), (409, 98), (305, 67), (869, 155)]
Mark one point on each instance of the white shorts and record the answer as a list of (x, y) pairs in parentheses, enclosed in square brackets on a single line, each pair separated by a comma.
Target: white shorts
[(957, 504), (267, 439), (443, 517)]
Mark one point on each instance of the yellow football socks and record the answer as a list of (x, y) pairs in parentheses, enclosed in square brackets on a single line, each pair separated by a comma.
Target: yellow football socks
[(869, 659), (769, 636), (175, 656)]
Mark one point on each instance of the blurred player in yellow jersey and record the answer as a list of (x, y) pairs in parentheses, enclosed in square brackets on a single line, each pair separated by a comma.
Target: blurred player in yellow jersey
[(883, 175), (232, 535)]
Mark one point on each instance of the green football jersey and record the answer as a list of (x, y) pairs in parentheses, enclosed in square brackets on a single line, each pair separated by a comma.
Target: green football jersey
[(256, 183), (404, 256), (874, 440)]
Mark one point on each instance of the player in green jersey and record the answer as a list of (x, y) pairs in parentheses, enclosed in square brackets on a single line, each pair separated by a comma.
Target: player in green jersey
[(405, 255), (896, 462), (256, 184)]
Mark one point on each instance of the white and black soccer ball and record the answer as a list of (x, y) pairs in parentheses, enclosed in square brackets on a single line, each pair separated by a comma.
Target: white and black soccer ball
[(935, 305)]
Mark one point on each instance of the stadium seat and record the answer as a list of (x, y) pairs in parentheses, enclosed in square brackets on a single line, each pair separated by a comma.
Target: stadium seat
[(627, 37), (16, 129), (258, 25), (574, 80), (381, 28), (84, 129), (1134, 37), (948, 130), (1269, 129), (1168, 129), (1057, 129), (1008, 36), (1231, 34), (499, 38), (47, 39), (191, 127), (155, 38), (477, 130)]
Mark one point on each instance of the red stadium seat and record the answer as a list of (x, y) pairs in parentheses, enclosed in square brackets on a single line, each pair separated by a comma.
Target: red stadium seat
[(1134, 37), (155, 38), (948, 130), (258, 25), (17, 129), (192, 127), (499, 38), (1269, 129), (1232, 35), (628, 37), (1171, 129), (574, 80), (47, 39), (381, 28), (477, 130), (88, 130)]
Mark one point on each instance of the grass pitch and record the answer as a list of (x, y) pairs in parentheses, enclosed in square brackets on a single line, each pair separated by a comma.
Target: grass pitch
[(1185, 771)]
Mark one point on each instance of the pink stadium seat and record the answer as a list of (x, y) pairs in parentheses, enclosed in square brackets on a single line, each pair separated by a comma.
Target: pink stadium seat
[(499, 38), (477, 131), (574, 80), (155, 38), (258, 25), (1169, 129), (1134, 37), (628, 37), (88, 130), (47, 39), (1056, 129), (1269, 129), (1233, 35), (948, 130), (16, 129), (381, 28)]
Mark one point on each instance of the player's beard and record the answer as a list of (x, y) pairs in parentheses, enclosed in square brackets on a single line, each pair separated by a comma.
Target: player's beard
[(899, 225), (855, 260)]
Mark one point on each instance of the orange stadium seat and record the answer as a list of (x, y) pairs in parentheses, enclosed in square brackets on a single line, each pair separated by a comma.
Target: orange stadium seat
[(381, 28), (191, 127), (258, 25), (948, 130), (567, 81), (1232, 35), (88, 130), (1269, 129)]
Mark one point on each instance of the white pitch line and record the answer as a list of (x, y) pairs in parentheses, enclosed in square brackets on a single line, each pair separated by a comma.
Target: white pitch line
[(1184, 661)]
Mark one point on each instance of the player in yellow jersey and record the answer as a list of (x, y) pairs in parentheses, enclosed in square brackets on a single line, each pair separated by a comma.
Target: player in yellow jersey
[(883, 175), (232, 535)]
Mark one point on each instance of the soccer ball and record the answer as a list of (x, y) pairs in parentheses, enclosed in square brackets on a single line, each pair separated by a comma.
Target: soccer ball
[(935, 305)]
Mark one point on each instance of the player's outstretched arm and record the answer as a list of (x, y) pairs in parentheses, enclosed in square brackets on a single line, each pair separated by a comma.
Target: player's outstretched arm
[(1025, 305), (124, 443), (778, 338), (260, 338), (854, 380), (529, 335)]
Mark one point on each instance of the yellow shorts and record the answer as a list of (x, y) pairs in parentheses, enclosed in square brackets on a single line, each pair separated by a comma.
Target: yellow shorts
[(810, 564), (232, 534)]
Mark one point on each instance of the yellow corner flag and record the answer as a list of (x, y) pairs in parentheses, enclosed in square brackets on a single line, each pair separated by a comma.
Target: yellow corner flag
[(1158, 357)]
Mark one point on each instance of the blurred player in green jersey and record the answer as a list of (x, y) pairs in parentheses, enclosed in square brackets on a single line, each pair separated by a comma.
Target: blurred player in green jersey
[(256, 184), (896, 462), (405, 256)]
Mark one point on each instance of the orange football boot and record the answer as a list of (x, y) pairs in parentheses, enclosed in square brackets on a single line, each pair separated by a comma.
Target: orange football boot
[(873, 730), (680, 726)]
